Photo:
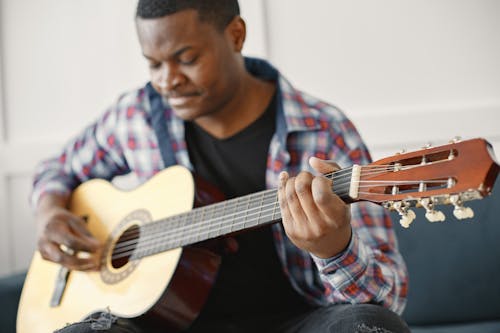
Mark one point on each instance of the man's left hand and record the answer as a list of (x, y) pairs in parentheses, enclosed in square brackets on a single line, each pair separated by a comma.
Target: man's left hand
[(315, 219)]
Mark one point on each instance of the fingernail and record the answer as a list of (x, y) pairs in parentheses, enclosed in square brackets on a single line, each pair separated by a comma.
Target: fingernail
[(283, 175)]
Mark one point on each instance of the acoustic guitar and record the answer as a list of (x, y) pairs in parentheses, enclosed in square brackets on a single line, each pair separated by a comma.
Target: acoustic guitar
[(151, 271)]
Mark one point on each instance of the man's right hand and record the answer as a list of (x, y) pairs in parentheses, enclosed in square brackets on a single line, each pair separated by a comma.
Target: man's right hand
[(62, 235)]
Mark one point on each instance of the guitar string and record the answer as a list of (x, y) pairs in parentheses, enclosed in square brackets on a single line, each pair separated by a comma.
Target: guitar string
[(264, 197), (338, 188), (124, 241), (230, 217), (205, 223), (252, 195), (190, 226), (205, 226)]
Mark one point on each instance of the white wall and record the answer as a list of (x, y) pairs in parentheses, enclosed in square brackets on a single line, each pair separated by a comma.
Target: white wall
[(406, 71)]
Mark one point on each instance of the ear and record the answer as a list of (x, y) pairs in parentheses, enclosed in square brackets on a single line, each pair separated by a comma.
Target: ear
[(236, 32)]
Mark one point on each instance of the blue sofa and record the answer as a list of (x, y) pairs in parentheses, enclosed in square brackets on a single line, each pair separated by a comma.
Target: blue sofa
[(10, 291), (454, 271)]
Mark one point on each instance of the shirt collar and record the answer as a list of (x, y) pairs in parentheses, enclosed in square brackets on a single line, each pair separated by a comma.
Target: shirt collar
[(294, 112)]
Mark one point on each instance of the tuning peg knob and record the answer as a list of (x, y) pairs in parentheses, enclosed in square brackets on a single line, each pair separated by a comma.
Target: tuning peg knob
[(460, 211), (407, 215), (456, 139), (435, 216), (407, 218), (431, 214)]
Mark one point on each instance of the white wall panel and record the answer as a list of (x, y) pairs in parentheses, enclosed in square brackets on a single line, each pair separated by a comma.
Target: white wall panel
[(69, 61), (22, 224), (65, 62), (410, 129), (366, 55), (253, 12), (5, 230), (5, 253)]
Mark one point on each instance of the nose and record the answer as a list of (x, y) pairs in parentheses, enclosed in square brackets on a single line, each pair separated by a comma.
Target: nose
[(168, 77)]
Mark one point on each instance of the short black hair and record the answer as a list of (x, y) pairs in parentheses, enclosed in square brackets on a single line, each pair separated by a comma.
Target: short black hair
[(217, 12)]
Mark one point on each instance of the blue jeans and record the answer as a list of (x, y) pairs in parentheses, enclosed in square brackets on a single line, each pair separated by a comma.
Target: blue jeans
[(344, 318)]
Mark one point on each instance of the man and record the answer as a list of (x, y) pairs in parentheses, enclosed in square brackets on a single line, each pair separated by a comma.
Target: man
[(240, 125)]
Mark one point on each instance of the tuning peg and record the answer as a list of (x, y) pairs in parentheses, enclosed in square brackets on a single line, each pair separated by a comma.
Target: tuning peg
[(427, 145), (407, 215), (456, 139), (407, 219), (431, 214), (460, 211), (435, 216)]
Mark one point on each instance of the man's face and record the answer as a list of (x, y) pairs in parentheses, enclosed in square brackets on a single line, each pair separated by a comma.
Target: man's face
[(193, 65)]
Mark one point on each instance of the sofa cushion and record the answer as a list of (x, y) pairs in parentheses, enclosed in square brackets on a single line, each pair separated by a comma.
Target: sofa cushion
[(10, 291), (453, 265), (481, 327)]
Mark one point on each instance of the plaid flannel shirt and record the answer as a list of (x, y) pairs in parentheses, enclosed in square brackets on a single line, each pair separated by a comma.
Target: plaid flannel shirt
[(122, 140)]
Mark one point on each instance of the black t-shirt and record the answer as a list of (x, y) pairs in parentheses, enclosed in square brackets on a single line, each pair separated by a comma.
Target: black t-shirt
[(250, 282)]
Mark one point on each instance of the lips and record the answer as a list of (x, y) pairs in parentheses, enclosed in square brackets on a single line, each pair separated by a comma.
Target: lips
[(177, 100)]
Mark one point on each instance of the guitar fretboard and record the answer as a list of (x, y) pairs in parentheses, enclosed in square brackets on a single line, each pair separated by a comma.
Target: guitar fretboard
[(215, 220)]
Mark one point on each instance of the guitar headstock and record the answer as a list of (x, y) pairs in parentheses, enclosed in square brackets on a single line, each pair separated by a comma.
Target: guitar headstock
[(450, 174)]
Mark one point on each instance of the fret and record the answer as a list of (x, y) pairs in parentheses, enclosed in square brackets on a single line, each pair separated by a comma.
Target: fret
[(260, 207), (150, 241), (275, 205), (268, 206), (204, 226), (222, 226), (225, 218), (241, 216), (175, 233), (209, 221), (231, 214), (156, 239), (189, 227), (237, 216), (200, 222), (253, 206), (214, 221), (245, 211)]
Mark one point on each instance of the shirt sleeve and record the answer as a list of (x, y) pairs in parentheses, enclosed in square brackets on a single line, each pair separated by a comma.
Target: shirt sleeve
[(95, 153), (371, 269)]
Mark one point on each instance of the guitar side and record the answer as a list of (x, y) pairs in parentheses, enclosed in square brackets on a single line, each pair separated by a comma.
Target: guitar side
[(131, 291)]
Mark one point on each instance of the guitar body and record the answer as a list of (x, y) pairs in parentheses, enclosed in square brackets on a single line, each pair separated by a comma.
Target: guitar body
[(171, 286)]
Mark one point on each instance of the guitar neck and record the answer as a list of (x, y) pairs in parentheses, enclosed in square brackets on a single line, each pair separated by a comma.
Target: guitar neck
[(223, 218)]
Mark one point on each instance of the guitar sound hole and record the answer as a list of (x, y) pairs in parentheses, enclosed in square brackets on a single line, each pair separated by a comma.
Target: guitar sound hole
[(125, 247)]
